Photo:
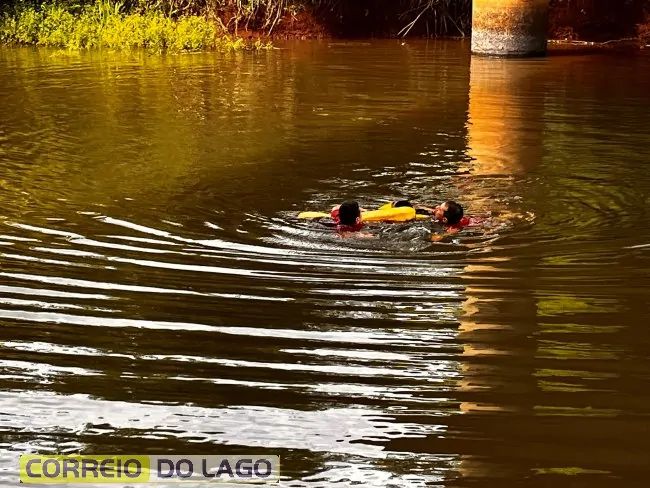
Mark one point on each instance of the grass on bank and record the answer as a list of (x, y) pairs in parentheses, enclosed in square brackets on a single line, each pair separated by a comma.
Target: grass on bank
[(105, 24)]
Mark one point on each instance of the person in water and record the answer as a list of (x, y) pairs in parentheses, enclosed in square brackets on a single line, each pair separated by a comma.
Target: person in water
[(347, 216), (448, 213)]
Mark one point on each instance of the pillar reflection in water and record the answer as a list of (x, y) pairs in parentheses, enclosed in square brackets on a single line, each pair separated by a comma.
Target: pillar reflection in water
[(504, 129), (499, 315)]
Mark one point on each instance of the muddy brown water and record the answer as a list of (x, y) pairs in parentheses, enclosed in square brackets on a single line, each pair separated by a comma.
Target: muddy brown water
[(158, 295)]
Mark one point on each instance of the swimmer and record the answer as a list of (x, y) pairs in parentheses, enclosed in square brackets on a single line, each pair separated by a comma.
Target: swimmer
[(347, 216), (450, 214)]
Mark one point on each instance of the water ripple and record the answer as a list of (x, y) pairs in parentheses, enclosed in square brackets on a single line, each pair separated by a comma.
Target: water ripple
[(159, 294)]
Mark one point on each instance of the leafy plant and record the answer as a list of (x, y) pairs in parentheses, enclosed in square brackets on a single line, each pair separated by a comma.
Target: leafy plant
[(106, 24)]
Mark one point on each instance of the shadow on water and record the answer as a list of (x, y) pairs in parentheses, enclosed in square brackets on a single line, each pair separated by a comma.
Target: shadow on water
[(158, 295)]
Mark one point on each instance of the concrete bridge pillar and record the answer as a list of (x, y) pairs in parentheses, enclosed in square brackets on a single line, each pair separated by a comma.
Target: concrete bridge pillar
[(509, 27)]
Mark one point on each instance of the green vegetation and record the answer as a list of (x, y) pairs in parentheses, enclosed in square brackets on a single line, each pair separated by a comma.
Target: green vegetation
[(210, 24), (218, 24), (107, 23)]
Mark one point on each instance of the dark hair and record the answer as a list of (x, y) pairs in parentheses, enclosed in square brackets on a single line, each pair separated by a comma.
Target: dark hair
[(401, 203), (454, 213), (348, 213)]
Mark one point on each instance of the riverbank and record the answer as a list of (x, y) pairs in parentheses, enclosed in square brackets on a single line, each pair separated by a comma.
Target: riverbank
[(106, 24), (195, 25)]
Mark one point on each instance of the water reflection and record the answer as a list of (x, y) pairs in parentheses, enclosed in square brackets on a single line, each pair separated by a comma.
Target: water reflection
[(515, 317), (503, 144)]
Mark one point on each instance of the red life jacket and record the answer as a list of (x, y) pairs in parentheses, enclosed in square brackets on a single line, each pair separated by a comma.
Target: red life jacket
[(467, 222), (349, 228)]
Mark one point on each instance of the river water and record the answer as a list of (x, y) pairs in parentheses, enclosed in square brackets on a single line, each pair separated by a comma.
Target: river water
[(158, 294)]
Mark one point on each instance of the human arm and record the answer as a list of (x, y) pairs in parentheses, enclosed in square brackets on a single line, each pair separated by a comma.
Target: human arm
[(441, 237), (357, 235), (429, 210)]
